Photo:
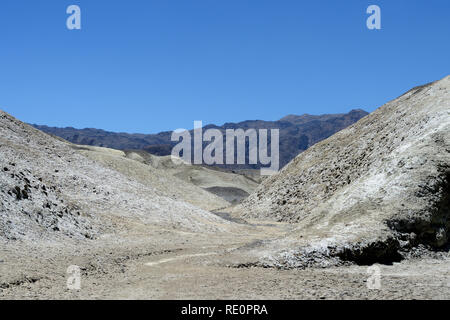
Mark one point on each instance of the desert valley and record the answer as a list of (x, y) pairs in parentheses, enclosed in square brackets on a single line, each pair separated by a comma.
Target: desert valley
[(364, 190)]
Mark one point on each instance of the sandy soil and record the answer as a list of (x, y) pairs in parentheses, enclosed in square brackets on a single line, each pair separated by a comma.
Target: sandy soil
[(168, 264)]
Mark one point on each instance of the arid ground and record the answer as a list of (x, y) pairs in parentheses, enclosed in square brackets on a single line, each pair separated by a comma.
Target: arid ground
[(137, 226)]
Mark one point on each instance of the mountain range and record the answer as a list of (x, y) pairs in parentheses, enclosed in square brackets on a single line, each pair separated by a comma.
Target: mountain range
[(297, 133)]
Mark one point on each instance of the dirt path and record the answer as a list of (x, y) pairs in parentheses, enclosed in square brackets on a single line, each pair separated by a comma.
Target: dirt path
[(191, 266)]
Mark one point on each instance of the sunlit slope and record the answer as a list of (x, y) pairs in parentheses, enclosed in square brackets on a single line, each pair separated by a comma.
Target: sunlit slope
[(385, 178)]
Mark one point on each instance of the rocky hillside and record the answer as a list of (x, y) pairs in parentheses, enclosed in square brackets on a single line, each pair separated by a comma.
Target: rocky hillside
[(373, 190), (297, 133), (194, 184), (50, 188), (232, 187)]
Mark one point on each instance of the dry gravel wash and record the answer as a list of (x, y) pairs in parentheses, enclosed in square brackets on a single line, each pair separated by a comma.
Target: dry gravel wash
[(189, 266)]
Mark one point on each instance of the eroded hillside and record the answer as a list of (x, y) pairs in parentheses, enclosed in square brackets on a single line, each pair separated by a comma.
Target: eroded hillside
[(50, 189), (372, 190)]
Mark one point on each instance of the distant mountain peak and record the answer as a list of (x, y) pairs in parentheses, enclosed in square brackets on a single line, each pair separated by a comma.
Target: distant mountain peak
[(297, 133)]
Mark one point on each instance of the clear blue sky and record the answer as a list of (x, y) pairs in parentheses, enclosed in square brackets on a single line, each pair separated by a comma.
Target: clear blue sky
[(152, 65)]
